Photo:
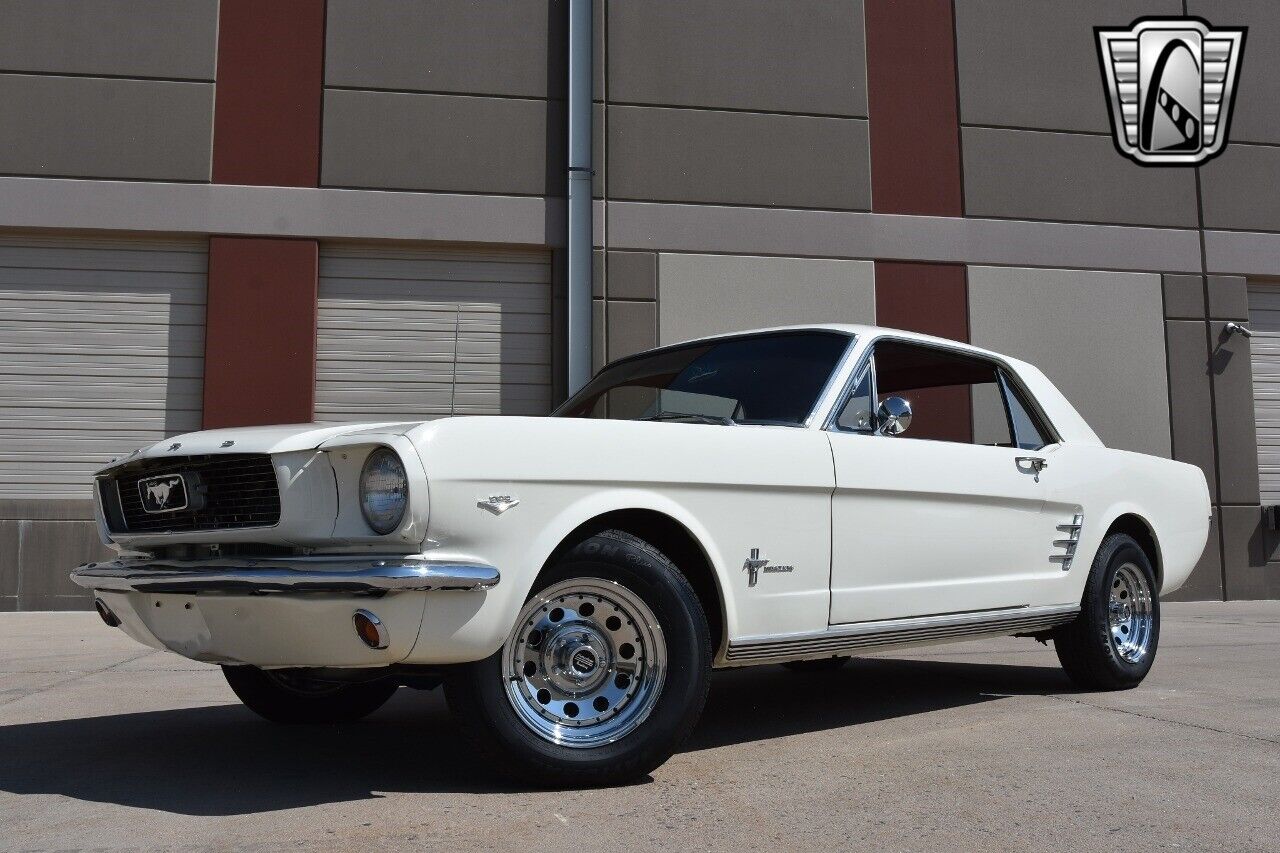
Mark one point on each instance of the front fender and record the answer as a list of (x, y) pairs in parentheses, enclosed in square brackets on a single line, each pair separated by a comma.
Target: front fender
[(461, 627)]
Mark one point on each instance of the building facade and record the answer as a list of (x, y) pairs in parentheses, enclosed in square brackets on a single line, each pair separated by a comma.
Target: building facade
[(215, 214)]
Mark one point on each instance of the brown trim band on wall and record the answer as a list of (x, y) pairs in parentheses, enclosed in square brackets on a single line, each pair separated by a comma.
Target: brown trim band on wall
[(260, 328), (270, 85), (916, 169), (914, 108), (933, 299), (260, 331), (928, 298), (915, 155)]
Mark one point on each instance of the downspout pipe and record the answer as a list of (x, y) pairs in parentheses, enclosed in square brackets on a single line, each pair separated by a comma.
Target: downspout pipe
[(579, 206)]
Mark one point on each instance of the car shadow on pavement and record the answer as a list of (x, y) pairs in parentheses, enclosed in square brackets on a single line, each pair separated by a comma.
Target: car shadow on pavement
[(759, 703), (222, 760)]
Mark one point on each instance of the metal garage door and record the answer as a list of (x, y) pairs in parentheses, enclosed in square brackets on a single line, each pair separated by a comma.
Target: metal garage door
[(101, 351), (414, 335), (1264, 320)]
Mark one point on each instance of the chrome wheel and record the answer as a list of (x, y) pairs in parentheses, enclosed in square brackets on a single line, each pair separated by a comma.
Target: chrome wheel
[(1130, 613), (585, 663)]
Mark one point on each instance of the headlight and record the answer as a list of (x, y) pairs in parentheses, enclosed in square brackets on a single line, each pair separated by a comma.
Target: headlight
[(384, 490)]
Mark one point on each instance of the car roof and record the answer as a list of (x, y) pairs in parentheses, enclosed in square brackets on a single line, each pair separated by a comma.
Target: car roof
[(860, 330), (1061, 414)]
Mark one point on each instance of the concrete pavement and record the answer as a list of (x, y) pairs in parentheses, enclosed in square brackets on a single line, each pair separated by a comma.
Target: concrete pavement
[(105, 744)]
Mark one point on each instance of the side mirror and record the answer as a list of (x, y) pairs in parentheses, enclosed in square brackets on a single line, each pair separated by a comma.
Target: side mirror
[(893, 416)]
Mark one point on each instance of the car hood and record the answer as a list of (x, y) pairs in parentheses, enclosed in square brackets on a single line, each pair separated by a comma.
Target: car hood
[(278, 438)]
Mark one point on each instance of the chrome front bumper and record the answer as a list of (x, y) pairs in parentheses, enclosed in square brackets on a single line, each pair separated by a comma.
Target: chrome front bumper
[(299, 575)]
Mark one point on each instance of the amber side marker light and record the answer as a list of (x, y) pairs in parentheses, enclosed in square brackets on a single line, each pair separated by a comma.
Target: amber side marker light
[(370, 630), (112, 620)]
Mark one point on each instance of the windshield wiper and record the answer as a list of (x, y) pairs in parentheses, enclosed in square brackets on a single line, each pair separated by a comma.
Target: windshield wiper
[(691, 416)]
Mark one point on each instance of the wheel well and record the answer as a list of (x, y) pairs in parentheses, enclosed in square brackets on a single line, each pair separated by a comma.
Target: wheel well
[(675, 541), (1132, 525)]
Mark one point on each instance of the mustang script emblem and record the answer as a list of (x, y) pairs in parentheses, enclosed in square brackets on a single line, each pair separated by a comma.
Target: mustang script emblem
[(1170, 82), (167, 493), (497, 504)]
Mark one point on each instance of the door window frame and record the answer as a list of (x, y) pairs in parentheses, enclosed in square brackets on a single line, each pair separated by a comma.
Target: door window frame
[(1007, 379)]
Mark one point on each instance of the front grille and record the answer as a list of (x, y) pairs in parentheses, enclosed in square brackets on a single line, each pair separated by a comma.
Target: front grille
[(239, 490)]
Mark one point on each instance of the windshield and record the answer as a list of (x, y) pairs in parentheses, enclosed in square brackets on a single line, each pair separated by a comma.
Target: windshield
[(759, 379)]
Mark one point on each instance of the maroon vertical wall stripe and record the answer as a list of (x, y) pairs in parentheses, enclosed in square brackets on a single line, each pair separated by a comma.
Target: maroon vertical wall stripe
[(916, 166), (915, 153), (928, 298), (266, 124), (260, 343), (911, 93), (260, 328)]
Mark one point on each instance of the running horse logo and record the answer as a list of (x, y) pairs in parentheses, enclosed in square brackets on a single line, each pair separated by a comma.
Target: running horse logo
[(158, 493), (1170, 82)]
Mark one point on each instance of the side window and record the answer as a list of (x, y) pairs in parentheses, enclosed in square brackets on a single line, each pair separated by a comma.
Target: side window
[(1029, 432), (953, 397)]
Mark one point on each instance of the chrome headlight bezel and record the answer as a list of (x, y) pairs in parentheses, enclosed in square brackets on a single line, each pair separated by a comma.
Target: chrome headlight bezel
[(377, 518)]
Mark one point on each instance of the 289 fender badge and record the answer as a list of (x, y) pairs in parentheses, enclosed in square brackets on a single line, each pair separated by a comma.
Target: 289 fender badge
[(1170, 82), (497, 504)]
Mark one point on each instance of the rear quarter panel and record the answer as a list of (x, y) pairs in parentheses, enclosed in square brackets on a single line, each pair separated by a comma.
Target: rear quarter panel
[(1170, 497)]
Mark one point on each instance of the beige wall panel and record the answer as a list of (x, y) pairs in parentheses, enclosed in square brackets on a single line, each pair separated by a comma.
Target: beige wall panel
[(498, 47), (1098, 335), (171, 39), (739, 54), (447, 143), (90, 127), (711, 294)]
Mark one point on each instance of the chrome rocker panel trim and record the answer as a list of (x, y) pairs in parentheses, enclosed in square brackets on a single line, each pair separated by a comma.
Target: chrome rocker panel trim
[(862, 636), (254, 576)]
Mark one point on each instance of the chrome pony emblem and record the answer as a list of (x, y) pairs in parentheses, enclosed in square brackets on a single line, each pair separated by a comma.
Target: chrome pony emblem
[(167, 493), (753, 565), (497, 504), (1170, 82)]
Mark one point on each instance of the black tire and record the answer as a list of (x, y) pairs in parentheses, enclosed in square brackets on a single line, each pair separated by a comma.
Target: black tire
[(1085, 647), (478, 697), (818, 664), (292, 700)]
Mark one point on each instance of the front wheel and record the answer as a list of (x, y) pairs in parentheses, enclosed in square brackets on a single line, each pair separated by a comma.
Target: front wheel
[(282, 696), (603, 675), (1112, 643)]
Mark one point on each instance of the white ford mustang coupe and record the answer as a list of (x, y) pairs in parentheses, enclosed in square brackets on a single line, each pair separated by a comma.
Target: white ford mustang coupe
[(792, 495)]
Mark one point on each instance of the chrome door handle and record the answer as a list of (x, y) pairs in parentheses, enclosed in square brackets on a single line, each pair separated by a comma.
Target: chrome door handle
[(1035, 463)]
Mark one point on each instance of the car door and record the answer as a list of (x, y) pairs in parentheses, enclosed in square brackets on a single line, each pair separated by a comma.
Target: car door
[(952, 515)]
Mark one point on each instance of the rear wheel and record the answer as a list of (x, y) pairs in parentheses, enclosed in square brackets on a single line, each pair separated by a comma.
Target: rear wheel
[(1112, 643), (282, 696), (603, 676)]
